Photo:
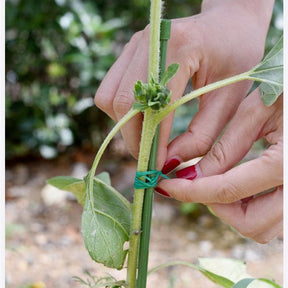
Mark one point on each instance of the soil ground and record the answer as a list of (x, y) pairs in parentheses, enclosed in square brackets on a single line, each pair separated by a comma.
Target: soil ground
[(44, 245)]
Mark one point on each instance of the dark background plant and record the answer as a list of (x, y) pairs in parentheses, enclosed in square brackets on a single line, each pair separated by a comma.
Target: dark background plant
[(57, 53)]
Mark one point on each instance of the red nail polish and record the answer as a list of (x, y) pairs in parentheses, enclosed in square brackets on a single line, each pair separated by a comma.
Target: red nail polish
[(187, 173), (161, 191), (170, 165)]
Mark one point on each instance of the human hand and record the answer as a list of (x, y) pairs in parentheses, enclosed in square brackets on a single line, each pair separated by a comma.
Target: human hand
[(224, 40), (222, 187)]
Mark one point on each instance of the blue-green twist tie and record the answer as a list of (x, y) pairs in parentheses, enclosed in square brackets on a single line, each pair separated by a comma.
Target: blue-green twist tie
[(147, 179)]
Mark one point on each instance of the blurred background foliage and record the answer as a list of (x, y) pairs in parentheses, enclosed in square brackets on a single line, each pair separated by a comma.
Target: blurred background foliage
[(57, 53)]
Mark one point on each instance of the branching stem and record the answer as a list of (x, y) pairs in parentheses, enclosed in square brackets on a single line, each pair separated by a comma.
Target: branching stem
[(203, 90), (148, 131)]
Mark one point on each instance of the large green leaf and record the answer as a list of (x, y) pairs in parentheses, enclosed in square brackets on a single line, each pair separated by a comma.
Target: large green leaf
[(270, 73), (75, 185), (106, 224)]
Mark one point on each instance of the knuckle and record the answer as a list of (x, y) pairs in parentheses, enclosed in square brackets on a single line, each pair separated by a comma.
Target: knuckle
[(123, 101), (218, 154), (203, 143), (227, 193)]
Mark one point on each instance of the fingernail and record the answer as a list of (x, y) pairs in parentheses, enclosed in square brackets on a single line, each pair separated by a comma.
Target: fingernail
[(170, 164), (187, 173), (162, 192)]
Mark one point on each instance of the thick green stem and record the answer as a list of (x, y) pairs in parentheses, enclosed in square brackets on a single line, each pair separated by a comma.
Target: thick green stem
[(149, 192), (154, 45), (148, 131)]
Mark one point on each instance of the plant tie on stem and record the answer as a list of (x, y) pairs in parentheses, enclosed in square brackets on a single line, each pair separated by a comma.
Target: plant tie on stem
[(147, 179)]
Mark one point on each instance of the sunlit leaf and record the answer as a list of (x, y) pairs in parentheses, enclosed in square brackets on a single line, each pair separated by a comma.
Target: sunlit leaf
[(106, 224), (270, 73), (234, 271), (218, 279), (231, 269)]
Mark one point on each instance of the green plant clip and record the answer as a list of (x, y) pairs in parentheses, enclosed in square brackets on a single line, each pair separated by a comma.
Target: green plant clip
[(147, 179)]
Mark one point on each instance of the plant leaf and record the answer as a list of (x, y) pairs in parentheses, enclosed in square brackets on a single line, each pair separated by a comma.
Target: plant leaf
[(270, 93), (243, 283), (233, 270), (71, 184), (106, 224), (257, 283), (218, 279), (270, 73), (272, 283), (169, 73), (105, 177), (75, 185), (139, 106)]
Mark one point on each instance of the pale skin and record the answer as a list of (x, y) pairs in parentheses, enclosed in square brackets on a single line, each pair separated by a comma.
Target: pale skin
[(225, 39)]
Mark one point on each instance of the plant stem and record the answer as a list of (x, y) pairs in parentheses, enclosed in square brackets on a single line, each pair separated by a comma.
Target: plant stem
[(148, 131), (104, 145), (203, 90), (154, 44), (149, 192), (173, 263), (109, 137)]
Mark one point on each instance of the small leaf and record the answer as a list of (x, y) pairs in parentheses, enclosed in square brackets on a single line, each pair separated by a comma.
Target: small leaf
[(139, 106), (169, 73), (270, 73), (106, 224), (218, 279), (71, 184)]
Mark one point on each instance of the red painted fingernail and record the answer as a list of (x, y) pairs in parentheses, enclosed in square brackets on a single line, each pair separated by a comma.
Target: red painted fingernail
[(170, 164), (187, 173), (162, 192)]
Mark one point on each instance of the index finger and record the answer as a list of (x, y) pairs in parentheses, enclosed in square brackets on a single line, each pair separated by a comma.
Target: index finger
[(240, 182)]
